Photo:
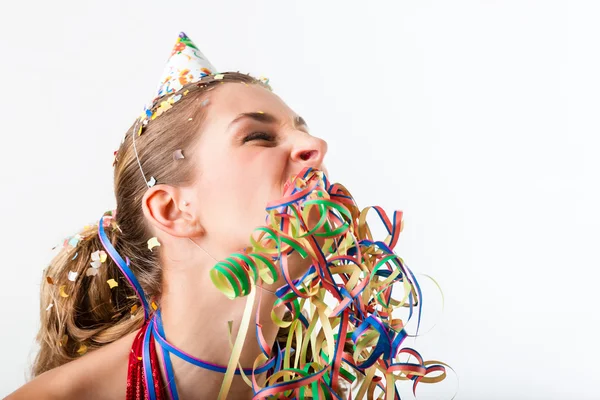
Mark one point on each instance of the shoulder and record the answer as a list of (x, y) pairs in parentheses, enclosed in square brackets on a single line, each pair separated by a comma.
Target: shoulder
[(101, 374)]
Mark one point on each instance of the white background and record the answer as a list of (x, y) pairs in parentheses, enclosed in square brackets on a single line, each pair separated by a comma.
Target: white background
[(478, 119)]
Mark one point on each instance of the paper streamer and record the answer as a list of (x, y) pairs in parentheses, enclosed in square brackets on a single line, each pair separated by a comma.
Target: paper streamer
[(352, 287)]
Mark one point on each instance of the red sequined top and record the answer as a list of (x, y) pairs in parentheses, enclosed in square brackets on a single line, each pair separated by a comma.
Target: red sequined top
[(136, 385)]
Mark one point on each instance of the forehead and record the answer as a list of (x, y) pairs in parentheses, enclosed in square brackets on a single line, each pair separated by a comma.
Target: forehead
[(231, 99)]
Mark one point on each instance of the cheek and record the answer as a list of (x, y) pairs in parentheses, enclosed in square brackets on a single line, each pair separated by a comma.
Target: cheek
[(236, 187), (257, 181), (257, 168), (235, 190)]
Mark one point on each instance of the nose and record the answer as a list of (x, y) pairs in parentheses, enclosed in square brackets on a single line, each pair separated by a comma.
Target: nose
[(309, 151)]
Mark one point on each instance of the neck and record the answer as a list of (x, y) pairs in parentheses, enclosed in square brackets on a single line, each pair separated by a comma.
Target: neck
[(195, 318)]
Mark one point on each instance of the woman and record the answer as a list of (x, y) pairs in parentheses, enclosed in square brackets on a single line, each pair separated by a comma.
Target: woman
[(140, 294), (195, 180)]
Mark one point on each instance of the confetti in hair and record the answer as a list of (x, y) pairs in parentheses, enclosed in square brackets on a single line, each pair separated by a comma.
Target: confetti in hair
[(152, 243), (112, 283), (98, 258), (61, 291), (82, 349), (178, 155)]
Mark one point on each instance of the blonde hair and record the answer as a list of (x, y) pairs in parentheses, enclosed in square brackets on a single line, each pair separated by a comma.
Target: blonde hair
[(82, 315)]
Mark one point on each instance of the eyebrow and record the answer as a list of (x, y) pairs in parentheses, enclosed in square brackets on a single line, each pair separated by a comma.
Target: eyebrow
[(266, 118)]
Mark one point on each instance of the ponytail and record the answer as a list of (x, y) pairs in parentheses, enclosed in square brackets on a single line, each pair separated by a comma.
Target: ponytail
[(85, 301), (81, 314)]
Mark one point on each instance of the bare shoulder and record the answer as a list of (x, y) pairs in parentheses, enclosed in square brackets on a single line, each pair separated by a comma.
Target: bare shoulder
[(101, 374)]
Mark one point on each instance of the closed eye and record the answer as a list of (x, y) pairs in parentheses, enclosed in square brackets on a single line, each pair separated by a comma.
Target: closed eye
[(259, 136)]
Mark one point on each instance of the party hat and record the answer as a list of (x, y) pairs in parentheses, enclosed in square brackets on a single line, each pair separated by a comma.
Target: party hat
[(186, 64)]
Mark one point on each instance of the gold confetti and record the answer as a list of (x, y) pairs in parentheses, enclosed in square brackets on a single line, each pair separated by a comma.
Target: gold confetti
[(134, 308), (164, 106), (63, 341), (189, 119), (112, 283), (261, 112), (186, 92), (152, 243), (154, 306), (61, 291), (82, 349)]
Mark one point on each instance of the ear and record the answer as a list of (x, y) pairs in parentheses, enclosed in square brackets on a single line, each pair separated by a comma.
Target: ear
[(164, 208)]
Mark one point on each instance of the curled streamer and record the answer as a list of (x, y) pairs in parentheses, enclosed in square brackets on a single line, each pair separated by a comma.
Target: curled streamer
[(363, 279)]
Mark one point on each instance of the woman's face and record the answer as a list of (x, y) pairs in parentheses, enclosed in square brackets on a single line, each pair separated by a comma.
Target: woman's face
[(249, 146)]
